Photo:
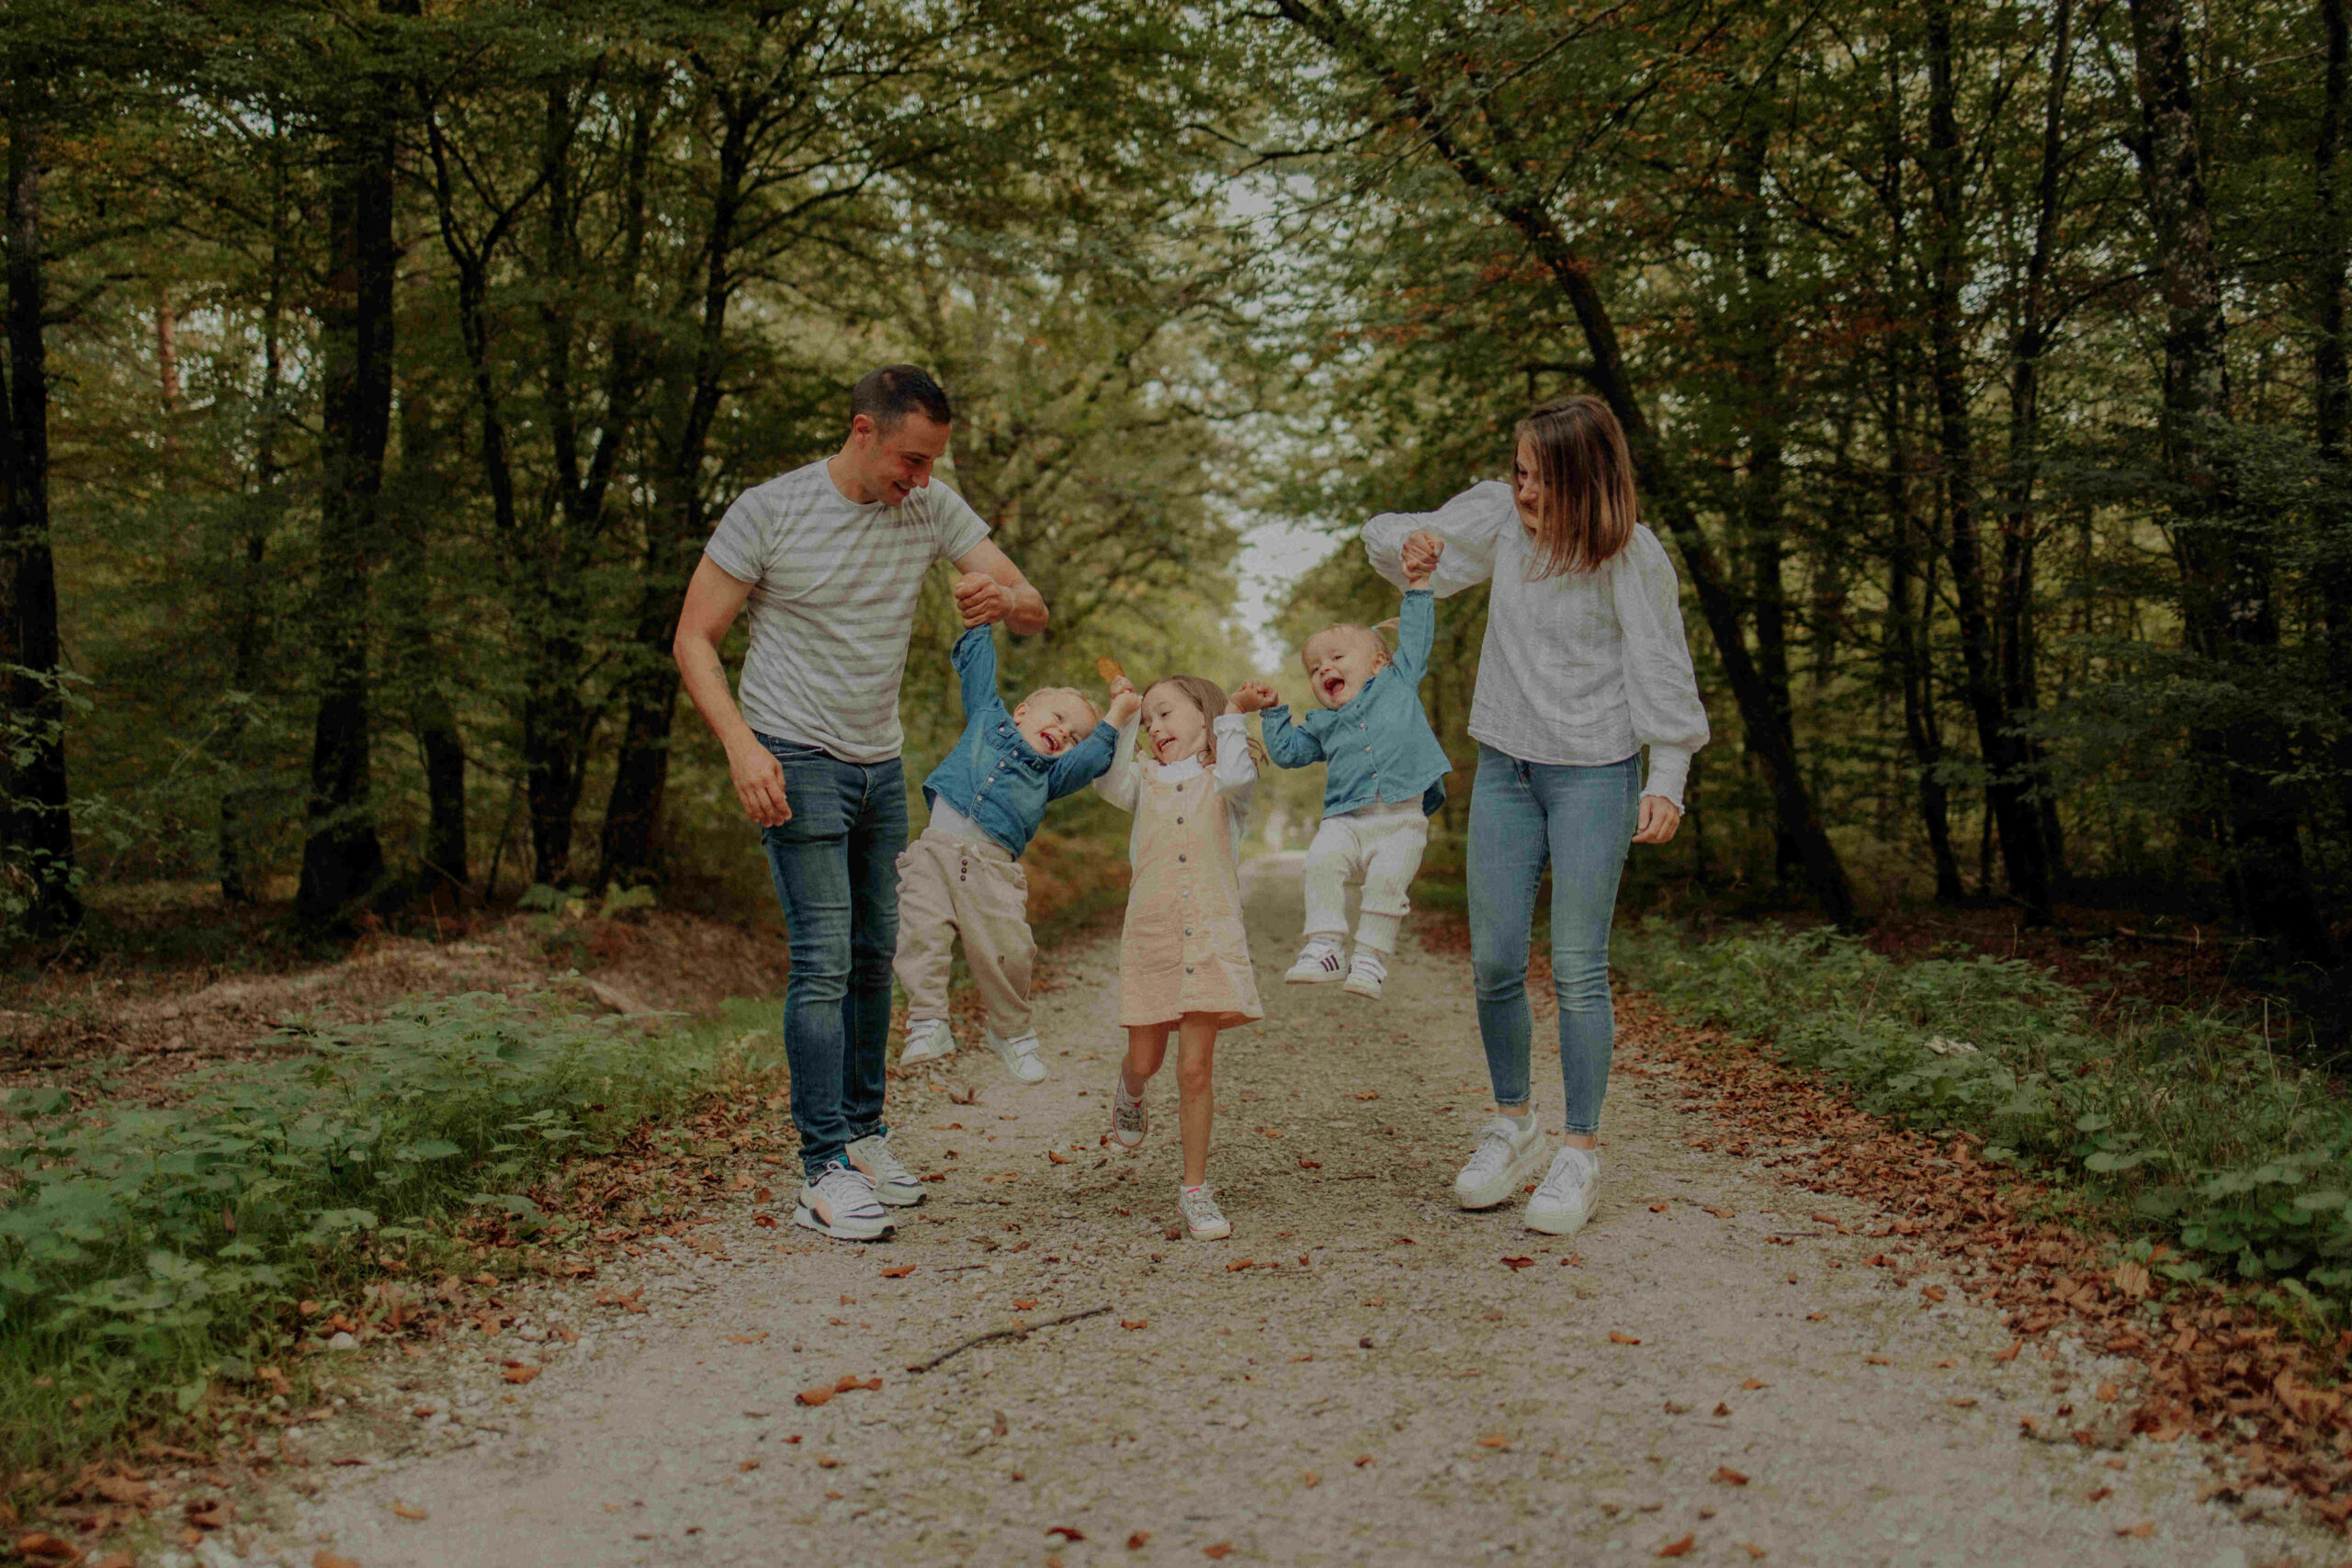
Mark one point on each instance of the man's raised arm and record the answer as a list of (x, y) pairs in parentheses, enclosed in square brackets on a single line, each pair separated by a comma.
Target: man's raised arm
[(992, 589), (714, 598)]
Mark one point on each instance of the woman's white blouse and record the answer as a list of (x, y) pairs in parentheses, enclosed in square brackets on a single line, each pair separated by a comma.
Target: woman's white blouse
[(1580, 669), (1237, 773)]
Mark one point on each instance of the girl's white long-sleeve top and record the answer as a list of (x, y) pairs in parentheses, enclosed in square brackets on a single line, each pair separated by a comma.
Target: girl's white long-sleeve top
[(1580, 669), (1237, 773)]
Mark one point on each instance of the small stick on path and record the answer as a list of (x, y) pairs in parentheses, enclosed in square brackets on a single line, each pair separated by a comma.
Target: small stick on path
[(1021, 1333)]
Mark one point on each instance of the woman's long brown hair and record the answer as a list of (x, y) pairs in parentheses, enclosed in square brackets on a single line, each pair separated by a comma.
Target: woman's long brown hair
[(1581, 460)]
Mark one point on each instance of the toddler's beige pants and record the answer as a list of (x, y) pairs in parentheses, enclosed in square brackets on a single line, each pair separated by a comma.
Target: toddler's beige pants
[(949, 886)]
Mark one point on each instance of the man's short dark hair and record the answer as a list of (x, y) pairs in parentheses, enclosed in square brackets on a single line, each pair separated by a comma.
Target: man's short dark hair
[(887, 396)]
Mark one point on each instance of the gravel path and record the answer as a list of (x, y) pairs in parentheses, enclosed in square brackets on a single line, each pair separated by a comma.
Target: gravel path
[(1379, 1384)]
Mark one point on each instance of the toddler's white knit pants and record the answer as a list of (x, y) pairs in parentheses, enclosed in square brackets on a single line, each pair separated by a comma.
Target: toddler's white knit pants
[(1379, 845)]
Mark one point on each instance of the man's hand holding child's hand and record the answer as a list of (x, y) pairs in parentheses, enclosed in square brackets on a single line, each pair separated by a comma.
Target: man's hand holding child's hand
[(1250, 696), (1124, 703), (1420, 556), (983, 600)]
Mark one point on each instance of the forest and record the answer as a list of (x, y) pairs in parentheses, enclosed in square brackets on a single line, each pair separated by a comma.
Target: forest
[(375, 371)]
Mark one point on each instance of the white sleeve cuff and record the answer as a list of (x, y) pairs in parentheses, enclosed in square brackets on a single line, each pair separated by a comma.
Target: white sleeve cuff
[(1669, 770)]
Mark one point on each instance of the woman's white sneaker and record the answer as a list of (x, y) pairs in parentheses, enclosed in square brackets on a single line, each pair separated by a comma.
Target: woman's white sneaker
[(891, 1181), (927, 1041), (1203, 1218), (1319, 964), (1366, 974), (1018, 1055), (1506, 1157), (1564, 1199), (1130, 1123), (841, 1204)]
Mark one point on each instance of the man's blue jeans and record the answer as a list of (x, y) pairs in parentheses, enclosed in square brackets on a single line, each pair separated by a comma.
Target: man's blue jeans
[(836, 871), (1580, 820)]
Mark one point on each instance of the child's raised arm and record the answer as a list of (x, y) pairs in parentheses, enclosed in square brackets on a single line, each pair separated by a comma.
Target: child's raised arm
[(975, 661), (1416, 635)]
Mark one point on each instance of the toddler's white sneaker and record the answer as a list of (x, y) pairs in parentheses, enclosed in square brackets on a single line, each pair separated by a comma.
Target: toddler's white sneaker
[(1366, 974), (1504, 1158), (927, 1041), (1319, 964), (1018, 1055), (1203, 1218), (1564, 1199)]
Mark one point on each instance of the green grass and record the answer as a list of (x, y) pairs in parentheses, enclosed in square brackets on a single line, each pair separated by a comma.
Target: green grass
[(2183, 1127), (151, 1257)]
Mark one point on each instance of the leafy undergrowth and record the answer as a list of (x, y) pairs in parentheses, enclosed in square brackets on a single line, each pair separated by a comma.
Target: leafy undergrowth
[(2221, 1365), (2182, 1126), (167, 1275)]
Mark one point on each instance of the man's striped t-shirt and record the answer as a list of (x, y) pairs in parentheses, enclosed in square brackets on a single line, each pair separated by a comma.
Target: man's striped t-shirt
[(832, 603)]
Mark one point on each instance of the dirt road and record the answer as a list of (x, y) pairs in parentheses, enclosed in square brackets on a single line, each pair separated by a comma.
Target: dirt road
[(1387, 1380)]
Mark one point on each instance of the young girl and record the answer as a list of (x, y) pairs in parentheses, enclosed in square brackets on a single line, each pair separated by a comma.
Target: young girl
[(1185, 960)]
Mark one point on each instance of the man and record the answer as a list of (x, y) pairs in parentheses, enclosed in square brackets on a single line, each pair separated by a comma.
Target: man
[(831, 557)]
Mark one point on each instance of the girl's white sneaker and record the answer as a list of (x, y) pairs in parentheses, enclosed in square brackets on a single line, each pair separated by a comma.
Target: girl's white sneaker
[(1366, 974), (1319, 964), (1018, 1055), (1130, 1123), (1201, 1217), (1563, 1200), (927, 1041)]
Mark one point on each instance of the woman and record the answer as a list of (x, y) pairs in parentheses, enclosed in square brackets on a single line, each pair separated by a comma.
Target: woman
[(1585, 663)]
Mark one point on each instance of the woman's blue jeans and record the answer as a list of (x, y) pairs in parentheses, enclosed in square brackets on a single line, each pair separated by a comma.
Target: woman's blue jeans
[(1579, 820), (836, 871)]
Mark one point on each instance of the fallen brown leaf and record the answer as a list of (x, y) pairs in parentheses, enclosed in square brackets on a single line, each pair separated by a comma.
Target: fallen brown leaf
[(763, 1195), (1362, 1460), (2011, 1353), (900, 1272), (2108, 1392), (1310, 1165), (747, 1338), (1660, 1208), (1058, 1157), (1516, 1264), (1876, 1361), (324, 1559), (1753, 1383), (1617, 1336), (2141, 1531), (2098, 1495), (48, 1548), (1933, 1292), (1679, 1547), (1067, 1532), (1025, 1303), (1722, 1410), (1236, 1267), (1726, 1474), (817, 1395), (1138, 1540), (1494, 1440), (1964, 1402), (521, 1375), (1218, 1552), (749, 1465), (1367, 1094), (1135, 1323), (1755, 1553), (1312, 1478), (405, 1512)]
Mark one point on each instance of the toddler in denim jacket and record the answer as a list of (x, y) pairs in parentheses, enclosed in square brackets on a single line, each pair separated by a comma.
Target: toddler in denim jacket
[(963, 877)]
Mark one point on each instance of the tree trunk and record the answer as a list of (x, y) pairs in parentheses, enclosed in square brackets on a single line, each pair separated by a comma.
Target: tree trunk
[(673, 539), (1413, 105), (36, 813), (1908, 620), (1762, 493), (2013, 607), (2332, 382), (2008, 788), (2227, 609), (342, 860)]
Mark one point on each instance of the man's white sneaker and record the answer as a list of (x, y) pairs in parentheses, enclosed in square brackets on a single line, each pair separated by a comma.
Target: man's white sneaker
[(1319, 964), (1018, 1055), (1366, 974), (891, 1181), (1504, 1158), (841, 1204), (1564, 1200), (1130, 1123), (1201, 1217), (927, 1041)]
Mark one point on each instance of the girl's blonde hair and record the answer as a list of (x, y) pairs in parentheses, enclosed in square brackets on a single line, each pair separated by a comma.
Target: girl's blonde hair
[(1209, 697), (1581, 460)]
